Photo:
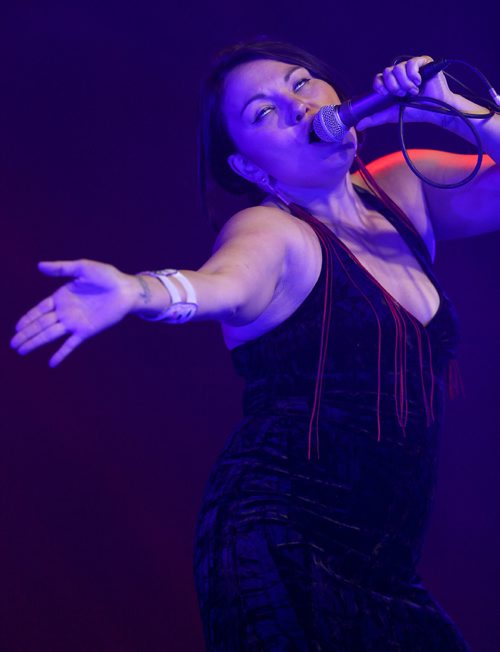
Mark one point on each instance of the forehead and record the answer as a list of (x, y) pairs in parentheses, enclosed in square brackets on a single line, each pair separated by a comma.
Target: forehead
[(252, 77)]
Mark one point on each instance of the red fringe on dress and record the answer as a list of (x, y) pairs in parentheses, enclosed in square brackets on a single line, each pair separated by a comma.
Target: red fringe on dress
[(330, 243)]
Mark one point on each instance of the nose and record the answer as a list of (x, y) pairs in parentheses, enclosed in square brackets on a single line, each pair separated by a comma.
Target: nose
[(298, 110)]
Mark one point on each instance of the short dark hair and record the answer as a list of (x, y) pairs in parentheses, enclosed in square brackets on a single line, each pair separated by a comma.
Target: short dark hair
[(214, 142)]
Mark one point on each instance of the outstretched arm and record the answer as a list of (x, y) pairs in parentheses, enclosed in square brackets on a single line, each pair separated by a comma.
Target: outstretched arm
[(235, 285)]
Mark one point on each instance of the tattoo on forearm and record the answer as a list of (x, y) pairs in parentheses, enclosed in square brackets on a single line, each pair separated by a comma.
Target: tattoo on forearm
[(145, 294)]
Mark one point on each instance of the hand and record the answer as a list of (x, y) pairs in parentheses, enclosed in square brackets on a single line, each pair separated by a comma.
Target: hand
[(96, 298), (404, 79)]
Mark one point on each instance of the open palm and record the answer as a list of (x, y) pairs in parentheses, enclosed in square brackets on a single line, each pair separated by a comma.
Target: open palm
[(95, 299)]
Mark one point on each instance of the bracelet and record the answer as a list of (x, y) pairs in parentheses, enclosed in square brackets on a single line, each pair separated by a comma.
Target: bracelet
[(179, 311)]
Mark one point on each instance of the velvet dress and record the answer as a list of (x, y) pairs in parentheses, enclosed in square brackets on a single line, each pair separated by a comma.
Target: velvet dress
[(314, 515)]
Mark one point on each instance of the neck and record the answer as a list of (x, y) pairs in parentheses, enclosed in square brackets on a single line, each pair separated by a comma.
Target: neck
[(337, 206)]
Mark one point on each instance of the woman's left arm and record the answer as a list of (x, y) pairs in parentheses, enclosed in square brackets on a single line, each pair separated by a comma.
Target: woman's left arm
[(456, 212)]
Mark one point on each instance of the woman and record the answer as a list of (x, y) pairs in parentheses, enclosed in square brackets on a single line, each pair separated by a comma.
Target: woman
[(313, 517)]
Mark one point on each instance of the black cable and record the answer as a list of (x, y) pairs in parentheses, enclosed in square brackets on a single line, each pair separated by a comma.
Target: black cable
[(457, 113)]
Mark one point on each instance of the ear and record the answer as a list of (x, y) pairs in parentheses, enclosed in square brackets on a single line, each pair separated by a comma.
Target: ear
[(246, 169)]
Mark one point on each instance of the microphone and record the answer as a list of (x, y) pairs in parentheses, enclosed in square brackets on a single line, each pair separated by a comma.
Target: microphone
[(332, 122)]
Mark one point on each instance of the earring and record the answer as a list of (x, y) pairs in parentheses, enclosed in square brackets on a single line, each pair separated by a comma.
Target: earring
[(264, 181), (280, 197)]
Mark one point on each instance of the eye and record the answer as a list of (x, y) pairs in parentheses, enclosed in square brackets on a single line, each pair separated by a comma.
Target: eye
[(261, 113), (301, 83)]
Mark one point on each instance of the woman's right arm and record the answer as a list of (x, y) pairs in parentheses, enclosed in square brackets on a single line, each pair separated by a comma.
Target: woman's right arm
[(235, 286)]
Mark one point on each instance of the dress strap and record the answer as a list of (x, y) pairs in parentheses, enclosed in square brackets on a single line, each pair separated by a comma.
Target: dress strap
[(394, 213)]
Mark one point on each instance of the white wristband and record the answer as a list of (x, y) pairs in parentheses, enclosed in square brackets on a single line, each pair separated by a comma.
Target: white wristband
[(179, 311)]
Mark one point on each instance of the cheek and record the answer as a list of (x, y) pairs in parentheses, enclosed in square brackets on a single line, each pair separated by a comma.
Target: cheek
[(263, 144), (327, 93)]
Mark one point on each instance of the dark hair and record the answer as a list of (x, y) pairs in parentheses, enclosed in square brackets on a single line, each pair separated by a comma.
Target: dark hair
[(214, 142)]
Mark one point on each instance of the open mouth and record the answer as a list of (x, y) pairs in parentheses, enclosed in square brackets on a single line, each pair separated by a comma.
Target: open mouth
[(313, 137)]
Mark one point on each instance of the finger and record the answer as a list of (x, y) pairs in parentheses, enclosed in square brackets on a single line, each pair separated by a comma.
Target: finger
[(365, 123), (40, 309), (413, 67), (378, 85), (32, 329), (404, 81), (61, 267), (391, 83), (69, 345), (44, 337)]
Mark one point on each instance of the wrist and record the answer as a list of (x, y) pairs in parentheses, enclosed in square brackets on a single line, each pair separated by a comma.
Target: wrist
[(147, 296), (458, 125), (165, 295)]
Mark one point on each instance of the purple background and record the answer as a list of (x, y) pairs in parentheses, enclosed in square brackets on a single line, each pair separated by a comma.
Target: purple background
[(103, 460)]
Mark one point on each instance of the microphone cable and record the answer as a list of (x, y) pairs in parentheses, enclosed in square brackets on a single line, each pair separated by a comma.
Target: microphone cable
[(423, 102)]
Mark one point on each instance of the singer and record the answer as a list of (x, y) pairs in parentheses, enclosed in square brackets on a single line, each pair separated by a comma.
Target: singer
[(314, 515)]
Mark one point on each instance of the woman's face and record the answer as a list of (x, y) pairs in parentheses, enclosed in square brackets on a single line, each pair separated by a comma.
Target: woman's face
[(269, 106)]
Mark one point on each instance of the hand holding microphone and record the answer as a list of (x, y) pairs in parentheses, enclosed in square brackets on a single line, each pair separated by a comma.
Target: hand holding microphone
[(400, 84), (332, 122)]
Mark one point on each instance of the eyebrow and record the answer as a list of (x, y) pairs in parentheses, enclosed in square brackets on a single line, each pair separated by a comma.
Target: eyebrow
[(263, 96)]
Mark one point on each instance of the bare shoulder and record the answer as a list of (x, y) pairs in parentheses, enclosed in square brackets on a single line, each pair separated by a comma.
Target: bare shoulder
[(265, 222), (271, 233), (395, 177)]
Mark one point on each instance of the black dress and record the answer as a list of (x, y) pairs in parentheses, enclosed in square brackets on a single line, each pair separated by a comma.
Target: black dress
[(314, 515)]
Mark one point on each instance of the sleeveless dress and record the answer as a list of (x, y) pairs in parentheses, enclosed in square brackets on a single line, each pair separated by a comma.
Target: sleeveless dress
[(314, 515)]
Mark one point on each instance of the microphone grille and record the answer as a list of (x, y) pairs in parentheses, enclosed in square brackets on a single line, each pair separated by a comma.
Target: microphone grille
[(328, 126)]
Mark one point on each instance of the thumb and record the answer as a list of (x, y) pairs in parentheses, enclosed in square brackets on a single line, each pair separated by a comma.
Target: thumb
[(366, 123), (383, 117), (61, 267)]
